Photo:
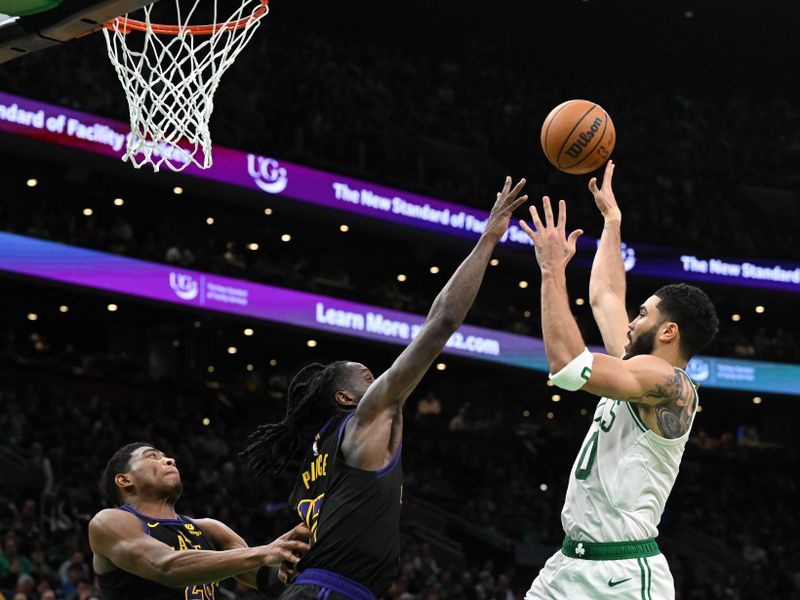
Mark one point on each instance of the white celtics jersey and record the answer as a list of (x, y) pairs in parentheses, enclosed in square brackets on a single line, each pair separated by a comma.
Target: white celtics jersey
[(622, 477)]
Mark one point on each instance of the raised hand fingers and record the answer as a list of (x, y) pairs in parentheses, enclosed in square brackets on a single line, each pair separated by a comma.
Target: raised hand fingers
[(537, 222), (517, 188), (593, 185), (608, 175), (527, 229), (517, 203), (572, 240), (548, 212), (506, 186), (562, 215)]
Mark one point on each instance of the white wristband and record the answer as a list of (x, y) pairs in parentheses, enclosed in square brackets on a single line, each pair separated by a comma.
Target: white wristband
[(575, 375)]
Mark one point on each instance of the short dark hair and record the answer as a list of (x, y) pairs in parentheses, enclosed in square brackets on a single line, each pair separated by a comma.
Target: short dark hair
[(119, 463), (692, 309)]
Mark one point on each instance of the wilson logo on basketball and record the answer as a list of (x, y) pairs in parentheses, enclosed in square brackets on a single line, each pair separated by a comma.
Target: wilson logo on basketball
[(268, 174), (584, 138)]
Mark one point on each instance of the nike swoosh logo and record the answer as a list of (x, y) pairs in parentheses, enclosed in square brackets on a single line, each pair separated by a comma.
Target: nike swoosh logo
[(612, 583), (152, 525)]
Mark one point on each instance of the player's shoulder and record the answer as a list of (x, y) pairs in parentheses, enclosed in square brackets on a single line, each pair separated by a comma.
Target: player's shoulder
[(223, 536), (651, 363), (113, 519), (207, 523)]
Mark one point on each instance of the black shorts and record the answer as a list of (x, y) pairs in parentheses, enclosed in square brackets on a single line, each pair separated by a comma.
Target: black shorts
[(305, 591)]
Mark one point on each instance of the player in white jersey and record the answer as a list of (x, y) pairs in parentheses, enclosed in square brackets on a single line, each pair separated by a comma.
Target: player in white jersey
[(630, 457)]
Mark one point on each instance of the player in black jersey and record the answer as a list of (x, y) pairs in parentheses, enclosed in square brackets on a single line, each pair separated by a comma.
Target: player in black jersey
[(144, 550), (350, 484)]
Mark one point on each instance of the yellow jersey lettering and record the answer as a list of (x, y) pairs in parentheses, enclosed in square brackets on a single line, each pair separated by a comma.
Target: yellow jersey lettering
[(182, 543), (318, 468)]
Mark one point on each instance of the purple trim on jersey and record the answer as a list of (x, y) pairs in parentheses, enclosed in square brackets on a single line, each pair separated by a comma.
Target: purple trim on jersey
[(385, 470), (133, 511), (128, 509), (330, 581), (341, 429), (325, 427)]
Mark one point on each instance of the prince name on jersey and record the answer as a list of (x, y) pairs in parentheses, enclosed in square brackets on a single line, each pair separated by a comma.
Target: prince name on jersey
[(353, 514)]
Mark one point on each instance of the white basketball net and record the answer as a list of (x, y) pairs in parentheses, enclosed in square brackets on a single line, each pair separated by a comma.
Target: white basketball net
[(170, 81)]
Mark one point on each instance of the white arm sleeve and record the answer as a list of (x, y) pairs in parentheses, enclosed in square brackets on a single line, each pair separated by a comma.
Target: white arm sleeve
[(575, 375)]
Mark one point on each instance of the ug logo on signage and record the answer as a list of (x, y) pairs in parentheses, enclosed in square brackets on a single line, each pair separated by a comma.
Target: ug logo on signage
[(628, 256), (698, 369), (268, 174), (184, 286)]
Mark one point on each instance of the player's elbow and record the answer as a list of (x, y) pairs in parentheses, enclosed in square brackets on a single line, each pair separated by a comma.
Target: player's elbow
[(167, 573), (600, 297), (445, 324)]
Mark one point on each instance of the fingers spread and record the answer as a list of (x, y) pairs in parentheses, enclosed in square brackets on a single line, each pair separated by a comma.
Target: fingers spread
[(537, 222), (609, 173), (548, 211), (572, 240), (517, 188), (562, 215), (518, 202), (531, 233)]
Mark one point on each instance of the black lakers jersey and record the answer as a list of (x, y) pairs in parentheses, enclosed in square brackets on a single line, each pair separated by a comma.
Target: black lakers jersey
[(181, 534), (354, 515)]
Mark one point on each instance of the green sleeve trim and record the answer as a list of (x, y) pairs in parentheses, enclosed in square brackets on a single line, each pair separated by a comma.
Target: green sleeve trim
[(637, 419)]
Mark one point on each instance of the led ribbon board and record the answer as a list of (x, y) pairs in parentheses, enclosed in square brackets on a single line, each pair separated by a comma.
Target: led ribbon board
[(107, 137), (112, 273)]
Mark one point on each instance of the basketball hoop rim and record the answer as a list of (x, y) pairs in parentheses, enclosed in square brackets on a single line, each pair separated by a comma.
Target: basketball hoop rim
[(124, 25)]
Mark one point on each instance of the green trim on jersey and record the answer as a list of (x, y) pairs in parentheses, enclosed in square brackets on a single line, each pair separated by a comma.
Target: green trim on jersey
[(636, 417), (609, 550)]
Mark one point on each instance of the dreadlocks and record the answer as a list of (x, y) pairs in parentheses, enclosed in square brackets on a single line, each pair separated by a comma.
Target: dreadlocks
[(272, 445)]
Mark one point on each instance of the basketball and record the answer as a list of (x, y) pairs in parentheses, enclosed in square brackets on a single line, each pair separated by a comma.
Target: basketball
[(578, 136)]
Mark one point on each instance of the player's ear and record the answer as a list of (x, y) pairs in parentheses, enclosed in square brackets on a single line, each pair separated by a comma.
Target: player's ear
[(668, 332), (124, 481), (345, 398)]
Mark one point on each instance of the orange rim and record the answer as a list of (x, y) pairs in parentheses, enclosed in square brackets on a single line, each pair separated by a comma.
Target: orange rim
[(125, 25)]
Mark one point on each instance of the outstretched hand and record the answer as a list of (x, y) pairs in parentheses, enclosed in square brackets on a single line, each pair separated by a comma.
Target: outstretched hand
[(286, 551), (553, 248), (506, 203), (604, 198)]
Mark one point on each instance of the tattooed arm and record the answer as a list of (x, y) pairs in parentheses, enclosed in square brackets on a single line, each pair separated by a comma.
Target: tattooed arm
[(664, 397)]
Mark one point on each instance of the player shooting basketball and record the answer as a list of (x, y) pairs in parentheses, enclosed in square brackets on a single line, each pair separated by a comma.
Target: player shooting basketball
[(349, 488), (630, 457)]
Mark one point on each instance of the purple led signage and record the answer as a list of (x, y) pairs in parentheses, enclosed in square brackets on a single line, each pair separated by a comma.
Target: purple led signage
[(109, 272), (137, 278), (83, 131)]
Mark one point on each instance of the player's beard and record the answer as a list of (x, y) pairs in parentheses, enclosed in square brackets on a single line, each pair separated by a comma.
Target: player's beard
[(643, 344)]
